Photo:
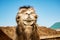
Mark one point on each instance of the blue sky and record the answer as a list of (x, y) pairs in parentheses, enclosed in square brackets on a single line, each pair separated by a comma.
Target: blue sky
[(48, 11)]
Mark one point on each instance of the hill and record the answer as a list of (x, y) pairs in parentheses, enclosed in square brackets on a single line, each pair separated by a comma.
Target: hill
[(56, 25)]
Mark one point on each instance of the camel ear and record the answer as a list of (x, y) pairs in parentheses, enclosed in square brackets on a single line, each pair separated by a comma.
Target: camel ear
[(17, 18), (36, 16)]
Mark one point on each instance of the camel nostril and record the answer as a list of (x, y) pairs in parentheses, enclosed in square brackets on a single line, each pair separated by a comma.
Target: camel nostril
[(26, 13)]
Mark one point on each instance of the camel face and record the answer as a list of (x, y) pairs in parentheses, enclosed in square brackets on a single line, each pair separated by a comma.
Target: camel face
[(27, 16)]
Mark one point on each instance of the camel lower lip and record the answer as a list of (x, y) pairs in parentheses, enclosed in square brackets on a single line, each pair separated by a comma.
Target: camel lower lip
[(28, 20)]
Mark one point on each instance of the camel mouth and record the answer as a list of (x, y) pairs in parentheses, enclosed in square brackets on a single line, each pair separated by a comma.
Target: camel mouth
[(28, 20)]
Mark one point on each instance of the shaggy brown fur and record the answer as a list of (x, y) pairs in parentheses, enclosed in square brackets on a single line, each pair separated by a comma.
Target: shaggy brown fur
[(21, 35), (26, 33)]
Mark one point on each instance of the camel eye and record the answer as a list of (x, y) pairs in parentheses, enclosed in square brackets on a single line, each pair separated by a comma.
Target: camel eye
[(35, 16), (18, 17)]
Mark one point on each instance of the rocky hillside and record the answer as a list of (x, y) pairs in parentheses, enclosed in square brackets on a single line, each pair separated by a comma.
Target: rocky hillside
[(43, 32)]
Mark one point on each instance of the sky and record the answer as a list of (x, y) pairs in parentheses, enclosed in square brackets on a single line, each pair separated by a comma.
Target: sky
[(48, 11)]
